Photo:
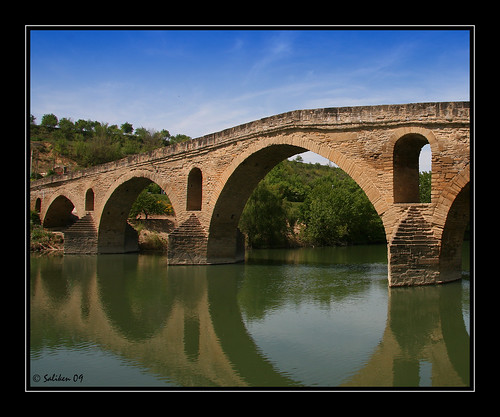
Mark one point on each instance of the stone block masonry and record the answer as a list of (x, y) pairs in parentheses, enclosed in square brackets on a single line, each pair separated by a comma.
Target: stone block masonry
[(413, 252), (209, 179), (81, 237), (188, 243)]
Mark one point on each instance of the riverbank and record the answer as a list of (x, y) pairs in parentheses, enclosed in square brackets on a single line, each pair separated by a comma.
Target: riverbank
[(152, 234), (42, 240)]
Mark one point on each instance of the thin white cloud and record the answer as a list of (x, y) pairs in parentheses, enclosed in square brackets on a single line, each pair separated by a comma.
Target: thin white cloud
[(254, 77), (278, 47)]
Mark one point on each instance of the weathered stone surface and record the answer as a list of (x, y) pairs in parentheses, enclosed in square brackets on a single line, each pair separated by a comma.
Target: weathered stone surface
[(81, 236), (188, 243), (209, 180)]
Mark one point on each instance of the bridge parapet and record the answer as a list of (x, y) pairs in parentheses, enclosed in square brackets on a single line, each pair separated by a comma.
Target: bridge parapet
[(350, 118)]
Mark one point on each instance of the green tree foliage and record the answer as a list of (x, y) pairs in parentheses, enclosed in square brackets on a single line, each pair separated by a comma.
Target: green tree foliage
[(151, 201), (127, 127), (425, 187), (91, 143), (338, 212), (324, 203), (49, 120), (264, 219)]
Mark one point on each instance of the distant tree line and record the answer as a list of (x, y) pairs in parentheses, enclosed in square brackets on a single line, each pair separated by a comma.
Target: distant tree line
[(90, 143), (299, 204)]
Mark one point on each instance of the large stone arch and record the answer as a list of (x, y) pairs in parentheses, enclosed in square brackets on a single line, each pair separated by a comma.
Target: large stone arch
[(448, 195), (454, 210), (115, 235), (225, 243)]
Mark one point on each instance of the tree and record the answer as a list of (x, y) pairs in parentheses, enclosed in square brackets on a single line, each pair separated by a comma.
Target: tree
[(127, 127), (425, 187), (179, 138), (337, 211), (151, 138), (66, 125), (165, 137), (150, 201), (82, 125), (49, 120), (264, 218)]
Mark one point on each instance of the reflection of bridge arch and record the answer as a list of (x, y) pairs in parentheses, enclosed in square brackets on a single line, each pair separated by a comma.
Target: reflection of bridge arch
[(136, 308), (187, 326), (420, 332)]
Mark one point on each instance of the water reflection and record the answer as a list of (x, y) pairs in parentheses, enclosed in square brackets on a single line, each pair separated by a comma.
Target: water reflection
[(207, 326), (425, 333)]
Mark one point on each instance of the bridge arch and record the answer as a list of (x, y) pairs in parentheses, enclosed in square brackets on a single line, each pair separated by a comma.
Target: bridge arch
[(89, 200), (58, 211), (38, 205), (115, 235), (236, 184), (455, 211)]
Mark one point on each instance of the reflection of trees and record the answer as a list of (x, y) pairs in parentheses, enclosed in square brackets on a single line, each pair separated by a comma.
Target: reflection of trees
[(185, 323), (133, 298), (268, 288)]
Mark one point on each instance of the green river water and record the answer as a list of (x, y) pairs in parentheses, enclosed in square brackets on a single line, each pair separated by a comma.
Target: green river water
[(311, 317)]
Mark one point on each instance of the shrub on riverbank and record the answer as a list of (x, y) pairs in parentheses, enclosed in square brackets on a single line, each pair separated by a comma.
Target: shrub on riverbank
[(42, 240)]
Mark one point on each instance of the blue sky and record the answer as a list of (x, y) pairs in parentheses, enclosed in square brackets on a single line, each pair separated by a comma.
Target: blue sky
[(197, 82)]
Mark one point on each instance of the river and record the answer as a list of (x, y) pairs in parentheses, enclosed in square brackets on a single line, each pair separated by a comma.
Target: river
[(310, 317)]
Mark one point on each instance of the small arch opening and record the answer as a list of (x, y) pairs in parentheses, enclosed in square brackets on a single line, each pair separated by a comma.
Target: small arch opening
[(425, 173), (38, 205), (89, 200), (406, 167), (194, 190)]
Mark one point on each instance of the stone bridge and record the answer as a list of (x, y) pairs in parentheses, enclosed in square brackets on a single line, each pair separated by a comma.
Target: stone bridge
[(209, 179)]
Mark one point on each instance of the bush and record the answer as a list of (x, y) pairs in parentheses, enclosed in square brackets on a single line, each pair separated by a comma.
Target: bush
[(264, 218), (338, 212)]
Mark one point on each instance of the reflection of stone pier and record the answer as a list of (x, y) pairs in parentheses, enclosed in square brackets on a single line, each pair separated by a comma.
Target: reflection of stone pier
[(176, 325), (415, 340)]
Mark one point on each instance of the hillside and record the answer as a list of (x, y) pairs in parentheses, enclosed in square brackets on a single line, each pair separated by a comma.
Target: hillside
[(59, 145), (44, 158)]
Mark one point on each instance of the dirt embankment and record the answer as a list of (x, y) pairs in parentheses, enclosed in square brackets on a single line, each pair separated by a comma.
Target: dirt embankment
[(153, 235), (153, 232)]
